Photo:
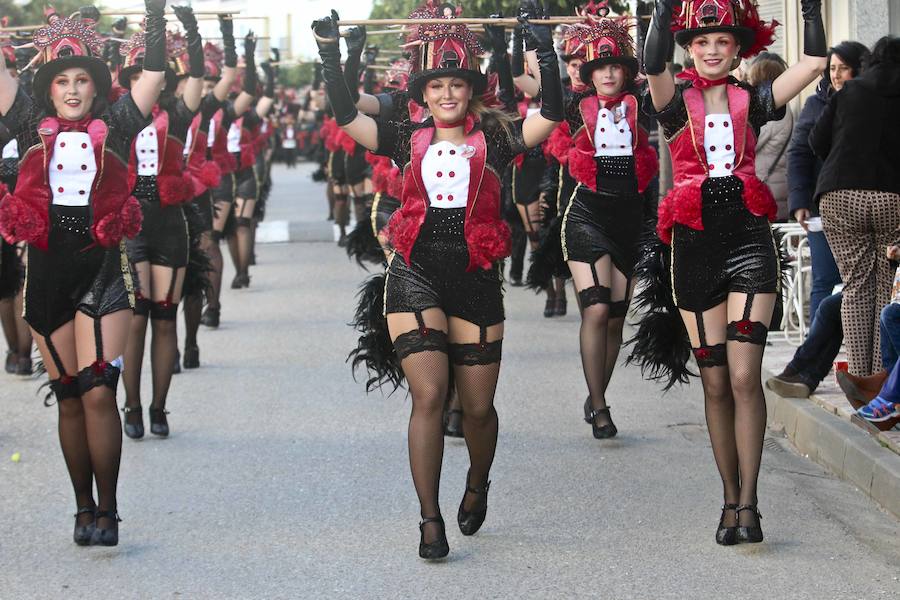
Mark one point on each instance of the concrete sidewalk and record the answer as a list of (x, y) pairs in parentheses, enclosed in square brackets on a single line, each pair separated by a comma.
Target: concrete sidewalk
[(825, 429)]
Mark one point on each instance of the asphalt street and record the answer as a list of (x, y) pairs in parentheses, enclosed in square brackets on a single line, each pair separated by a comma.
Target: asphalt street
[(283, 479)]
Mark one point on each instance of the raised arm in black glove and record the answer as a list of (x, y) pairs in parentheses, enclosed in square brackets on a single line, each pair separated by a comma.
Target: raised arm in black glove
[(518, 52), (269, 90), (327, 35), (500, 61), (660, 44), (356, 43), (530, 10), (185, 14), (251, 78), (541, 37), (814, 43), (226, 26), (369, 76), (155, 35)]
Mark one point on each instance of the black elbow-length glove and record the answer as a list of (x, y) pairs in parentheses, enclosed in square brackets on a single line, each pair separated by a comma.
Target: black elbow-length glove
[(356, 43), (155, 35), (814, 43), (660, 44), (188, 20), (518, 53), (251, 77), (541, 38), (327, 37), (500, 61), (226, 26)]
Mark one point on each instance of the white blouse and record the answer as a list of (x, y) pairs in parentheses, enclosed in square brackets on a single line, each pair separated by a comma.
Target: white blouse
[(146, 148), (613, 138), (71, 169), (445, 173), (11, 150), (234, 138), (718, 141)]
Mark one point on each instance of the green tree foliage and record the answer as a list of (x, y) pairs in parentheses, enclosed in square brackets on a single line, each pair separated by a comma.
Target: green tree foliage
[(388, 9), (297, 75), (32, 13)]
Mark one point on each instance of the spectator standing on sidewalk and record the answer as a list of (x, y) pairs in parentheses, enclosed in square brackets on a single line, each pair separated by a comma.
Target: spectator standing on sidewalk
[(844, 63), (774, 137), (859, 194)]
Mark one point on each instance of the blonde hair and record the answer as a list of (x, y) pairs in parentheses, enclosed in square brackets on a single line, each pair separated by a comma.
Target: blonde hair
[(482, 112)]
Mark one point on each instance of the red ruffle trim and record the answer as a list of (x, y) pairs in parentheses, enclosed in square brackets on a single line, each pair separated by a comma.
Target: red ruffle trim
[(210, 175), (559, 143), (395, 183), (646, 165), (346, 143), (582, 165), (759, 199), (19, 222), (174, 189), (402, 231), (110, 230), (489, 242)]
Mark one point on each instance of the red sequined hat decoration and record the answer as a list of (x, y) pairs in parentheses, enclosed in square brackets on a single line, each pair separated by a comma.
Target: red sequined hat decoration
[(737, 17)]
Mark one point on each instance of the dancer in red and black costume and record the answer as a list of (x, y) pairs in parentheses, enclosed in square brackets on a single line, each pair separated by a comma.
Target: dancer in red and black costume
[(73, 207), (613, 163), (227, 139), (443, 296), (12, 269), (208, 163), (159, 254), (722, 263)]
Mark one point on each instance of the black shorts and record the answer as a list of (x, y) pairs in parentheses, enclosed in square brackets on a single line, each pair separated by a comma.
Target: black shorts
[(383, 207), (163, 239), (245, 184), (526, 180), (11, 271), (357, 168), (336, 167), (437, 277), (598, 224), (735, 251), (225, 191), (74, 274)]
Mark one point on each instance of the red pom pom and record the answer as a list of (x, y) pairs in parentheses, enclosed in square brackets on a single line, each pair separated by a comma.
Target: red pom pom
[(131, 217), (210, 175), (489, 242), (402, 231), (583, 167), (758, 198), (19, 222), (559, 143), (173, 189), (108, 231), (646, 165)]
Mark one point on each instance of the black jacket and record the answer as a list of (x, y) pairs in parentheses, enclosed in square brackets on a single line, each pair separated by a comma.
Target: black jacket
[(858, 134), (803, 164)]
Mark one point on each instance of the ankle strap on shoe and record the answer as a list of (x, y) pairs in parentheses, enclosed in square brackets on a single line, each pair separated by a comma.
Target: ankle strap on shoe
[(729, 507), (598, 411), (108, 514), (426, 520), (85, 510), (750, 507), (130, 409), (484, 490)]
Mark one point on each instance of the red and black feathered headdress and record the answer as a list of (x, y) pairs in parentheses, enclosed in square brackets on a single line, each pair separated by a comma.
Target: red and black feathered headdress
[(214, 58), (134, 51), (441, 50), (67, 43), (607, 41), (737, 17)]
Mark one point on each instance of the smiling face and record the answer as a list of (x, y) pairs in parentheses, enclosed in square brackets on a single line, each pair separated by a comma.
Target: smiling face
[(447, 98), (572, 71), (839, 72), (72, 93), (608, 79), (713, 54)]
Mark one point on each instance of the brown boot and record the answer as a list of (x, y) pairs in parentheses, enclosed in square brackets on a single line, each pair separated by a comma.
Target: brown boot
[(871, 383), (856, 394)]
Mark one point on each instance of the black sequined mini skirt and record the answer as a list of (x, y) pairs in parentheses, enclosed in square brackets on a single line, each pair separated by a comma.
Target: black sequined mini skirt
[(356, 167), (735, 252), (606, 222), (74, 275), (437, 277)]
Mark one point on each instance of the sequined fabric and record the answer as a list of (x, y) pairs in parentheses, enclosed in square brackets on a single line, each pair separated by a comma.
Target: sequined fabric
[(437, 276), (73, 275), (597, 224), (735, 252), (616, 174)]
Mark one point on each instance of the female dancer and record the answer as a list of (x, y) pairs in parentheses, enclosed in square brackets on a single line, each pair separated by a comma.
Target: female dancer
[(613, 164), (208, 167), (725, 270), (443, 295), (15, 329), (73, 206), (159, 253)]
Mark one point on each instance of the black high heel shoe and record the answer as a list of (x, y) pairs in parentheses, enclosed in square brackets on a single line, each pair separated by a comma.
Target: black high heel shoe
[(106, 536), (751, 534), (603, 432), (191, 357), (84, 533), (133, 430), (727, 536), (471, 521), (561, 307), (550, 308), (210, 317), (159, 425), (439, 548)]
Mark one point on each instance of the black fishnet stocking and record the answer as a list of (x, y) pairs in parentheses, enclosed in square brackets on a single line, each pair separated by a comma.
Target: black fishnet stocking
[(215, 274), (163, 350), (427, 374), (104, 437), (593, 342), (193, 310), (74, 443), (720, 413), (134, 363), (613, 345), (476, 386)]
